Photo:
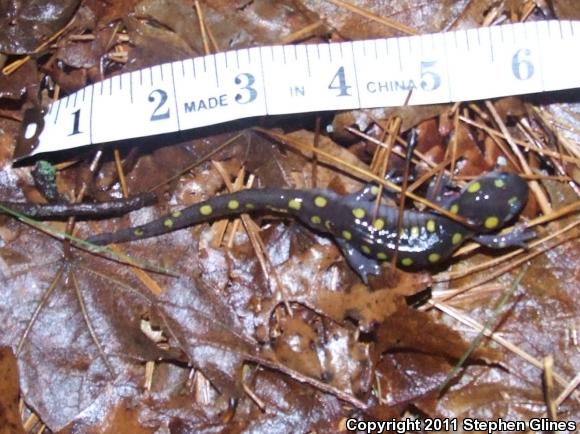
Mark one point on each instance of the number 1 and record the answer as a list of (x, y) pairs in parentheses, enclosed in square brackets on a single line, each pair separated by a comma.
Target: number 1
[(76, 121)]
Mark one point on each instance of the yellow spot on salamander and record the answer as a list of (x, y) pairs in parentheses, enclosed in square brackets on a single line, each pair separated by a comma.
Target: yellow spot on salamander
[(233, 204), (513, 200), (434, 257), (359, 213), (138, 232), (491, 222), (346, 235), (328, 225), (176, 214), (379, 224), (454, 209), (320, 201), (456, 238), (168, 223), (407, 262), (315, 220), (365, 249), (250, 206), (381, 256), (414, 231), (295, 204), (474, 187), (499, 183), (205, 210), (431, 226), (374, 190)]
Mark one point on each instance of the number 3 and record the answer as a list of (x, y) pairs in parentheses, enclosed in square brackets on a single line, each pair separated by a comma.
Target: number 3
[(246, 80)]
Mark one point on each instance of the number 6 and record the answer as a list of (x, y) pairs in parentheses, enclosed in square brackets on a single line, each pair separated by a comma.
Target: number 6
[(523, 69)]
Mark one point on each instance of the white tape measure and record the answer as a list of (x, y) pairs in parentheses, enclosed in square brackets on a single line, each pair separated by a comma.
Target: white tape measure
[(462, 65)]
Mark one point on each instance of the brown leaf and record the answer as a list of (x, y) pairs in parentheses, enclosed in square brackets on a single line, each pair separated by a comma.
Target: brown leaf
[(108, 12), (294, 407), (428, 17), (224, 310), (204, 327), (10, 422), (407, 377), (62, 369), (360, 119), (536, 321), (153, 45), (87, 54), (25, 24), (113, 415), (418, 354), (365, 306), (323, 350), (565, 9), (15, 85), (404, 331), (232, 25)]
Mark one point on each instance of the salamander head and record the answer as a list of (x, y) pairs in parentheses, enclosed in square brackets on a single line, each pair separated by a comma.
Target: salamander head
[(491, 201)]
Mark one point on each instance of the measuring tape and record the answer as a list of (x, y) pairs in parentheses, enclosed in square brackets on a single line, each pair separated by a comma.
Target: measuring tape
[(463, 65)]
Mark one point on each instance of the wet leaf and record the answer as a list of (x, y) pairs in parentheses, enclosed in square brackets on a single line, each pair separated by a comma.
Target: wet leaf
[(62, 369), (154, 45), (566, 9), (414, 363), (295, 343), (430, 17), (204, 328), (15, 85), (25, 24), (232, 25), (323, 350), (10, 422)]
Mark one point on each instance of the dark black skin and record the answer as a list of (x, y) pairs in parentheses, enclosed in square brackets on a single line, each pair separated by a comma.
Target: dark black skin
[(62, 210), (488, 203)]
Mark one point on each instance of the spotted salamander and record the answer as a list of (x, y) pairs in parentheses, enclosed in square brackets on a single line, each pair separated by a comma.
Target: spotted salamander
[(425, 239)]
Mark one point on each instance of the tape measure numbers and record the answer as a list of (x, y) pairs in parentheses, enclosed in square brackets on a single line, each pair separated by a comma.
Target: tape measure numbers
[(455, 66)]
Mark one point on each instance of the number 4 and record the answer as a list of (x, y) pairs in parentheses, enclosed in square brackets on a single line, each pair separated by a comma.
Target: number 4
[(341, 85)]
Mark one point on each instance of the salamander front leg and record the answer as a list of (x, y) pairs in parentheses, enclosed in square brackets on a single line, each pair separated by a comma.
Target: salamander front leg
[(516, 238), (369, 192), (441, 192), (360, 263), (366, 194)]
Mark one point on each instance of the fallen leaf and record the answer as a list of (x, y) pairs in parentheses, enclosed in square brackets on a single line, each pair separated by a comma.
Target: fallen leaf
[(25, 24), (10, 421)]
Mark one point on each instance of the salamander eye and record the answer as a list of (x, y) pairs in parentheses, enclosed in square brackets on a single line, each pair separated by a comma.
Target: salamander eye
[(492, 200)]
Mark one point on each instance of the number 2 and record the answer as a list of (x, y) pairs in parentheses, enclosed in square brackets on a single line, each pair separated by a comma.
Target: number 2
[(162, 100)]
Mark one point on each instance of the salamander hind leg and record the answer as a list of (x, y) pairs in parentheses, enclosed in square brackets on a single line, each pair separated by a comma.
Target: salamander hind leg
[(363, 265), (516, 238), (491, 201)]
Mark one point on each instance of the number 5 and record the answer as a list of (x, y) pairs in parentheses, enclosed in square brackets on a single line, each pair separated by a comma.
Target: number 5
[(429, 79)]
